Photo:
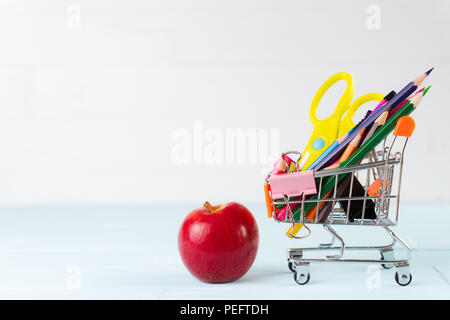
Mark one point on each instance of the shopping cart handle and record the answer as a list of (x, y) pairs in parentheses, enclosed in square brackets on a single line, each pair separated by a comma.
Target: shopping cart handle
[(404, 127)]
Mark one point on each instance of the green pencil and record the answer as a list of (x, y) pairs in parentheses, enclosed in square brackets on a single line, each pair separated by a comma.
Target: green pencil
[(365, 148)]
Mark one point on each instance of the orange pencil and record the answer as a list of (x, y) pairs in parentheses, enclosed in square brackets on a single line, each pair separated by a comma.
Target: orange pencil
[(351, 148), (311, 214)]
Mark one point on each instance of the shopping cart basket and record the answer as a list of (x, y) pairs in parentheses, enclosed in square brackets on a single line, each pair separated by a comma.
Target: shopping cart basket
[(379, 174)]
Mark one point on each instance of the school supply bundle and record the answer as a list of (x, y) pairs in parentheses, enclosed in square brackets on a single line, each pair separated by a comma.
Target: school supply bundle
[(341, 178)]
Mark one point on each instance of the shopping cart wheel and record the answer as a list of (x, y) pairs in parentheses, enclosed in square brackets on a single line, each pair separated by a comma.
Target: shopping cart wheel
[(291, 266), (302, 278), (404, 279)]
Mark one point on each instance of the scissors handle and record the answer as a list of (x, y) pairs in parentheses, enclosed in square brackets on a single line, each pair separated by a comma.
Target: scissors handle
[(343, 103), (347, 122), (325, 131)]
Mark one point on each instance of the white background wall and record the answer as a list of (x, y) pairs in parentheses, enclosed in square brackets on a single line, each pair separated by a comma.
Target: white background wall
[(91, 92)]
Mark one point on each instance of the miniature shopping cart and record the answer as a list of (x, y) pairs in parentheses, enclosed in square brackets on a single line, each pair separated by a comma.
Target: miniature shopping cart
[(379, 174)]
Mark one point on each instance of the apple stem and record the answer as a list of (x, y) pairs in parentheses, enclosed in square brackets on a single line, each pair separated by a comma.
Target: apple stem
[(208, 206)]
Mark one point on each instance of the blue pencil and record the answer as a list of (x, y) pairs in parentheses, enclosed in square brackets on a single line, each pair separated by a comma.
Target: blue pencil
[(396, 100), (329, 149), (338, 141)]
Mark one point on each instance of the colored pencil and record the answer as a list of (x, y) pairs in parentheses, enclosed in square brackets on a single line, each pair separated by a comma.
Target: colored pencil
[(339, 140), (356, 157), (387, 98), (395, 101), (403, 103), (332, 146), (378, 123), (351, 148)]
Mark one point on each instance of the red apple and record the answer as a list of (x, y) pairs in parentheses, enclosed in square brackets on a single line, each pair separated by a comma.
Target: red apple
[(218, 243)]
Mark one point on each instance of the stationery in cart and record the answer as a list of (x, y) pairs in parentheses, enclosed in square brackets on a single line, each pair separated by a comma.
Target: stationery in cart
[(395, 101), (365, 148), (327, 130), (361, 183)]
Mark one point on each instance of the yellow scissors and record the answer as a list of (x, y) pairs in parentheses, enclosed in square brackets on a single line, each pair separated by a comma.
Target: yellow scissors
[(326, 131)]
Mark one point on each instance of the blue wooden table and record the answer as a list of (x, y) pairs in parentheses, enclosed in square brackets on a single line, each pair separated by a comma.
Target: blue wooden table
[(130, 252)]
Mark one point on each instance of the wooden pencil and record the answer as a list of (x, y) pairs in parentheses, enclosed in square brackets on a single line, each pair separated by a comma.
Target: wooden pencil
[(351, 148), (356, 157), (378, 123), (394, 102)]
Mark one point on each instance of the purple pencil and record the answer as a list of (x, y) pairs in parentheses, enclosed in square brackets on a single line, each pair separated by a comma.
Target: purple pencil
[(395, 101)]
